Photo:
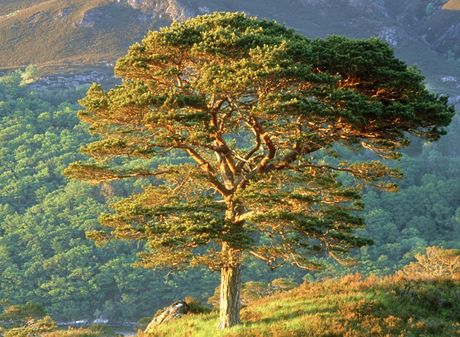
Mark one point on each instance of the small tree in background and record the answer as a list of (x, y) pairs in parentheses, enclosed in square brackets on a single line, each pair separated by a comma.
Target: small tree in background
[(434, 263), (254, 109), (29, 75), (24, 320)]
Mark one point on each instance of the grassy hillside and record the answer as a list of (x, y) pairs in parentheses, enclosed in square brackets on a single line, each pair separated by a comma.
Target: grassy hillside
[(9, 6), (351, 306)]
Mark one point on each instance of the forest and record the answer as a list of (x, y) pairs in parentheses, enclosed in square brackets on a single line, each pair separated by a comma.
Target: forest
[(47, 259)]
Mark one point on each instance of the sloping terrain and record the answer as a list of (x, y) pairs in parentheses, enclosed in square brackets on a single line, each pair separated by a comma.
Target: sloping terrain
[(68, 31), (351, 306), (53, 32)]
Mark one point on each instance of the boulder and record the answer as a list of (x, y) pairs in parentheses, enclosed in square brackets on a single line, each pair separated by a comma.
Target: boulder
[(175, 310)]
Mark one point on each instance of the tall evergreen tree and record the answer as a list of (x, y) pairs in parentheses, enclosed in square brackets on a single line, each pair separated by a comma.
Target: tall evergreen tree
[(254, 109)]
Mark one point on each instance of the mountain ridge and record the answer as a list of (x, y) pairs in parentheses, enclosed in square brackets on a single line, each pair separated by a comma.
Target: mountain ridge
[(88, 32)]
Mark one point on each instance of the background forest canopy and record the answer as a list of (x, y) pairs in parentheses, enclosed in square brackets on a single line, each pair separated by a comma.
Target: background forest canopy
[(46, 258)]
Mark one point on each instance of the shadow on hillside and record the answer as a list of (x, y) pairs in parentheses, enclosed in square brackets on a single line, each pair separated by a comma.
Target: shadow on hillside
[(392, 306), (278, 318)]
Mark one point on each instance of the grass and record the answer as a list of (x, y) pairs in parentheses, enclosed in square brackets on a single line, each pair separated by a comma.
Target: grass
[(93, 331), (351, 306)]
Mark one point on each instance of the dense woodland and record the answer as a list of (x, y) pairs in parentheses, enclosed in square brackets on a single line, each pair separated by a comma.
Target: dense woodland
[(45, 257)]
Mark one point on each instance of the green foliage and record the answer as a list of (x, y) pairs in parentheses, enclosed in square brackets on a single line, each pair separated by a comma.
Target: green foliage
[(20, 313), (45, 257), (26, 320), (255, 107), (401, 228), (196, 86), (29, 75), (44, 254), (33, 328)]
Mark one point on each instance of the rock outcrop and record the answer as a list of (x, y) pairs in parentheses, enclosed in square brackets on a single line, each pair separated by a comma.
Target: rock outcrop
[(170, 9), (175, 310)]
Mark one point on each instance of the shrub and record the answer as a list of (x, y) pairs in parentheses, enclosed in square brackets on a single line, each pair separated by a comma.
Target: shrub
[(195, 307), (435, 263)]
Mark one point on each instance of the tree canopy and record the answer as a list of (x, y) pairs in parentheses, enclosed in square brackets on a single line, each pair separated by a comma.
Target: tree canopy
[(259, 114)]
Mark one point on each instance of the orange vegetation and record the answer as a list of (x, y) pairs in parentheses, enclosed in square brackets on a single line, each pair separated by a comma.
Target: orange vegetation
[(453, 5)]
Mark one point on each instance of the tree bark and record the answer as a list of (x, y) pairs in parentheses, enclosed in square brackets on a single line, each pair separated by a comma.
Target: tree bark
[(230, 286)]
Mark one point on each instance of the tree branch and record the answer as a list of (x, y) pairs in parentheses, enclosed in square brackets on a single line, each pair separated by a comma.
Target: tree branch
[(207, 168), (251, 152), (271, 149)]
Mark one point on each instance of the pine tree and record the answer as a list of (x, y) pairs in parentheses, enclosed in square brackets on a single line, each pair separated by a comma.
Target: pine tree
[(239, 124)]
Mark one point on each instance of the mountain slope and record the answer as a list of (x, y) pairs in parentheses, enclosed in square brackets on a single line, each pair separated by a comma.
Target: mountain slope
[(50, 32), (61, 31)]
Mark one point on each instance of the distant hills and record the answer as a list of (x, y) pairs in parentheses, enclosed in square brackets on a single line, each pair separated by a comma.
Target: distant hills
[(54, 33)]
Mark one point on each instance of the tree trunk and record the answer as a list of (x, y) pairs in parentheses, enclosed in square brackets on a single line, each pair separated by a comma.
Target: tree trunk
[(230, 286)]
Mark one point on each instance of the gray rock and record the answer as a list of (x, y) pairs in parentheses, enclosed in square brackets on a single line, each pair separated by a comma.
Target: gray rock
[(91, 17), (175, 310)]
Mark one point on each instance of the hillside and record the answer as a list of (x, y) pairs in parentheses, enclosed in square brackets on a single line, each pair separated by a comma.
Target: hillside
[(46, 258), (419, 300), (64, 32), (351, 306)]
